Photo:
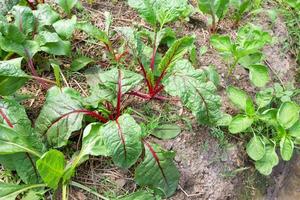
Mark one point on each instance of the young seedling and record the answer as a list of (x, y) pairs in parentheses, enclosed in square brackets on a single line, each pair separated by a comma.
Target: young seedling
[(271, 126), (245, 51)]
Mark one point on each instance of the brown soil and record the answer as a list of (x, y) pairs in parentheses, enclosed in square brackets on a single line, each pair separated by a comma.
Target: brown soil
[(207, 170)]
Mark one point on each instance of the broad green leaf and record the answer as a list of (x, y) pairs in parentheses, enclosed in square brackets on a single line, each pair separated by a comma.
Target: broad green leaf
[(93, 31), (256, 148), (53, 44), (60, 116), (251, 59), (80, 63), (65, 27), (215, 7), (212, 75), (157, 170), (139, 195), (51, 167), (14, 142), (238, 97), (294, 131), (269, 117), (66, 5), (270, 159), (195, 91), (11, 191), (259, 75), (104, 84), (93, 141), (240, 123), (221, 43), (22, 163), (24, 19), (123, 140), (175, 52), (46, 15), (264, 97), (225, 120), (7, 5), (166, 131), (145, 9), (286, 148), (250, 109), (12, 77), (161, 11), (288, 114)]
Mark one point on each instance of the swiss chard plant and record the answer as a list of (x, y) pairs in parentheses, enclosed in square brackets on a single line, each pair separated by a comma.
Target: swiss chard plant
[(33, 31), (270, 123), (245, 51), (216, 9), (240, 8)]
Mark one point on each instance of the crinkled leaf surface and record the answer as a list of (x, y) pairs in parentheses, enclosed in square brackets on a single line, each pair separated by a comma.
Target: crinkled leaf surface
[(286, 148), (161, 11), (60, 116), (269, 160), (259, 75), (256, 148), (93, 141), (240, 123), (264, 97), (12, 77), (238, 97), (24, 19), (51, 167), (288, 114), (158, 170), (21, 162), (196, 93), (123, 140), (104, 84), (45, 15), (6, 5)]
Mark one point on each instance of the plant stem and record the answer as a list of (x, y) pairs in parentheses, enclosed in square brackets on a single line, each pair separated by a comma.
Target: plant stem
[(152, 62), (31, 5), (65, 192), (6, 119), (149, 84), (7, 57), (119, 94), (43, 79), (139, 94), (232, 67)]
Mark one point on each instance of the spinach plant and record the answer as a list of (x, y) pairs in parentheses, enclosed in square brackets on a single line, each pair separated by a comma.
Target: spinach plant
[(240, 8), (271, 123), (245, 51), (215, 8)]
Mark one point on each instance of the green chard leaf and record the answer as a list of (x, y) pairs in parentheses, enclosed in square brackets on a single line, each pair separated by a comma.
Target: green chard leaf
[(294, 131), (259, 75), (66, 5), (17, 119), (80, 63), (45, 15), (11, 191), (264, 97), (160, 11), (221, 43), (158, 170), (175, 53), (269, 160), (123, 139), (51, 167), (104, 84), (286, 148), (93, 31), (238, 97), (195, 91), (53, 44), (240, 123), (61, 115), (65, 27), (139, 195), (288, 114), (256, 148), (12, 77), (166, 131), (24, 19)]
